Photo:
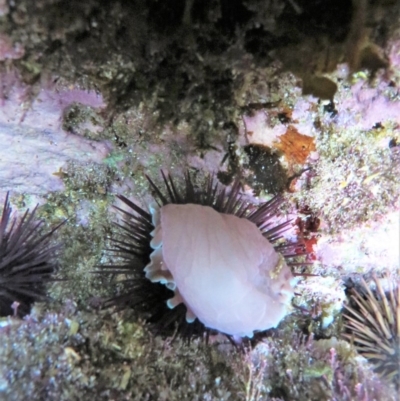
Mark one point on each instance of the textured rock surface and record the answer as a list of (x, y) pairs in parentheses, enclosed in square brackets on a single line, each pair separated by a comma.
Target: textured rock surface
[(100, 93), (35, 147)]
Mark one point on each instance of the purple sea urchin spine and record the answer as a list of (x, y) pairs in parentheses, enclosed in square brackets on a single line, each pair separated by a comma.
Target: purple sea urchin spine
[(26, 261)]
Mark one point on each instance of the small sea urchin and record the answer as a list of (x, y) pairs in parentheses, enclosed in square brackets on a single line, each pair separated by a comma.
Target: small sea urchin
[(205, 260), (373, 324), (26, 261)]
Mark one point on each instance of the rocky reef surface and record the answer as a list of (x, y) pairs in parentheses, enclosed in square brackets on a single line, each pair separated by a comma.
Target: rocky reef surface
[(293, 97)]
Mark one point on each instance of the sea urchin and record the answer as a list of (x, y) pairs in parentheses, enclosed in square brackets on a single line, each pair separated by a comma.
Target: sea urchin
[(26, 261), (204, 259), (373, 324)]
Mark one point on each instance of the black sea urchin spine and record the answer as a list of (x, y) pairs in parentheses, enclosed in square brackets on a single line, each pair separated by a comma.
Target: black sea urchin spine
[(133, 248), (232, 203), (26, 261)]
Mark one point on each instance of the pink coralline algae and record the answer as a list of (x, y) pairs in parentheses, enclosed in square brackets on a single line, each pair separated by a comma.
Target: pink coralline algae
[(9, 50), (373, 245), (367, 106), (34, 145)]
